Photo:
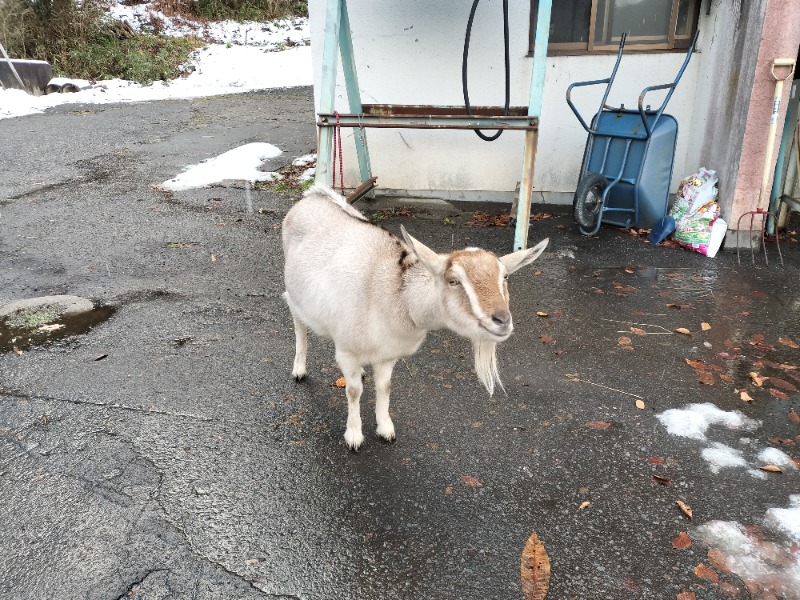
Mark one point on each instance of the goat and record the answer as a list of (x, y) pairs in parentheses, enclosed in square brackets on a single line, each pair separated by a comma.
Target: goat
[(377, 297)]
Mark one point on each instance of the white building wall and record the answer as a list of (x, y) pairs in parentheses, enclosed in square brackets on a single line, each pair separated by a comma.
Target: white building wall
[(410, 53)]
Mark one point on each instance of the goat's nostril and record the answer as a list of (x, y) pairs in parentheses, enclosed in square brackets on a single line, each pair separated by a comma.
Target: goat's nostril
[(501, 318)]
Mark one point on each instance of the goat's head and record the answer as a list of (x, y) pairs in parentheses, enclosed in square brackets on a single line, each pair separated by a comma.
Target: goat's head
[(473, 294)]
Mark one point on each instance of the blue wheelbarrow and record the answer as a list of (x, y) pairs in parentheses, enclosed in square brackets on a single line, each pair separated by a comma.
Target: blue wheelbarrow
[(627, 164)]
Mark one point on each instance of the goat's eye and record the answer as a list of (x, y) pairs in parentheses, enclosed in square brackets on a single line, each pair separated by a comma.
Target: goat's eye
[(454, 282), (505, 276)]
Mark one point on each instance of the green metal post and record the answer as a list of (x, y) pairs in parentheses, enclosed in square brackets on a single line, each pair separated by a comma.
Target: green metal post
[(534, 110), (353, 92), (327, 97)]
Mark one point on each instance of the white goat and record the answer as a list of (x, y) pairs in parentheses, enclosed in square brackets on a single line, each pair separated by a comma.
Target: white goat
[(378, 297)]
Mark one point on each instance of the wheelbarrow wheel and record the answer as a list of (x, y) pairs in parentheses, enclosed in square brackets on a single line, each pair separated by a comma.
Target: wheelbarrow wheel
[(588, 202)]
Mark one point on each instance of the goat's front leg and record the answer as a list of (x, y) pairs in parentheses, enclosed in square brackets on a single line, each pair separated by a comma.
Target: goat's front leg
[(383, 387), (351, 369)]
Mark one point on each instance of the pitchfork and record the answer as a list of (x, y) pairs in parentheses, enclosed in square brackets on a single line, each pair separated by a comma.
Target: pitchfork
[(760, 211)]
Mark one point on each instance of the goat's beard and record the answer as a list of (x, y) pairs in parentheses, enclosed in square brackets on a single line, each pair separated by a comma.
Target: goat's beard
[(486, 364)]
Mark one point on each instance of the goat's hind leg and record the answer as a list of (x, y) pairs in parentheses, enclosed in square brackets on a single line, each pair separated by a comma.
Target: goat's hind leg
[(300, 344), (351, 369), (383, 387)]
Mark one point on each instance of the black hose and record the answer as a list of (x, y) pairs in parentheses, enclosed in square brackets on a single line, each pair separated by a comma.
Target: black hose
[(464, 85)]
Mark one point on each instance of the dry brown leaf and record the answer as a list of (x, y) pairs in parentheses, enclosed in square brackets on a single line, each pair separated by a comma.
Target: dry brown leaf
[(637, 331), (771, 469), (788, 342), (584, 504), (545, 339), (718, 561), (624, 340), (341, 382), (640, 404), (724, 377), (661, 480), (471, 481), (778, 394), (682, 541), (678, 306), (696, 364), (756, 379), (598, 424), (794, 417), (629, 270), (52, 327), (213, 258), (706, 378), (683, 330), (686, 596), (685, 508), (534, 569), (656, 460), (745, 396), (705, 572), (783, 384), (541, 313), (705, 326), (448, 490)]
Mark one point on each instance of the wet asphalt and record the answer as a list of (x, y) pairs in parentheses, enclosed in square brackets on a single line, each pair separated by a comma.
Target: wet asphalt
[(166, 452)]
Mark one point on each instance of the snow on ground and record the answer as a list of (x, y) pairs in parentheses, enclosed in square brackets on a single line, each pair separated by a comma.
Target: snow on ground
[(763, 556), (243, 57), (241, 163), (693, 420)]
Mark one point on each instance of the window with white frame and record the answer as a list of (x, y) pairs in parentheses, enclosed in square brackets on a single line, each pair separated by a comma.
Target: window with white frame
[(579, 26)]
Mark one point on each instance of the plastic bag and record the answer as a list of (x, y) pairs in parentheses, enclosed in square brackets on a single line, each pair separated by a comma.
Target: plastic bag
[(696, 213)]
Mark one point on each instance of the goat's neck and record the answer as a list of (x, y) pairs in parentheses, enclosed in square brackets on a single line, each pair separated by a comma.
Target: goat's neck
[(422, 298)]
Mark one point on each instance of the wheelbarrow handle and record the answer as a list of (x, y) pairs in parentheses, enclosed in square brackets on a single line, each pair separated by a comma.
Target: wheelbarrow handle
[(608, 81)]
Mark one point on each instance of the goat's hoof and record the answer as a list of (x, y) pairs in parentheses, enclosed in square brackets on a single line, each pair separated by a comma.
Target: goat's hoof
[(299, 374), (386, 432), (353, 439)]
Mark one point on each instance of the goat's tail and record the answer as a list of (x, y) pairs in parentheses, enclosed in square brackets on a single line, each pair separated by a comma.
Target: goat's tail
[(486, 364)]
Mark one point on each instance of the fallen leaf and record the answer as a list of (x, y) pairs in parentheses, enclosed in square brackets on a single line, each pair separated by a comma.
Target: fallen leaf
[(545, 339), (788, 342), (771, 469), (705, 572), (661, 480), (213, 258), (686, 596), (794, 417), (470, 481), (682, 541), (629, 270), (756, 379), (541, 314), (448, 489), (52, 327), (724, 377), (101, 357), (756, 337), (598, 424), (638, 331), (656, 460), (677, 306), (640, 404), (705, 326), (624, 341), (696, 364), (534, 569), (683, 330), (718, 560), (706, 378), (685, 508), (584, 504), (745, 396), (778, 440), (341, 382), (783, 384), (778, 394)]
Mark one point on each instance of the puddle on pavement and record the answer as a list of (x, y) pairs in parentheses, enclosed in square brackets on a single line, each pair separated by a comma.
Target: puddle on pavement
[(23, 338)]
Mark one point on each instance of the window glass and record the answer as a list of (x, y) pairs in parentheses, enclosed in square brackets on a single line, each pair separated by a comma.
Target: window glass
[(646, 21), (569, 21)]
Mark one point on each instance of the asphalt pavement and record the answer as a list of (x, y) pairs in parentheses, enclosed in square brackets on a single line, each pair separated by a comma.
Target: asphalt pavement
[(163, 450)]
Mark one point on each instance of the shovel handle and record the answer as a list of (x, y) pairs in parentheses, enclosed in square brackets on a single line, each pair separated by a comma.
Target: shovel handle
[(782, 62)]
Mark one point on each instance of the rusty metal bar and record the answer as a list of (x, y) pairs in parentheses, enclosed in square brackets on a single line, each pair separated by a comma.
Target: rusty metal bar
[(387, 110), (441, 121)]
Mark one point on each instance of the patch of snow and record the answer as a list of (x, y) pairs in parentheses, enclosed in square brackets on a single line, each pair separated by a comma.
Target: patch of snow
[(764, 556), (306, 159), (773, 456), (241, 163), (693, 420), (719, 456)]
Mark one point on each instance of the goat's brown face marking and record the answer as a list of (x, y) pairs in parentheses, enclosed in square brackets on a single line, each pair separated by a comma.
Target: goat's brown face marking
[(483, 279)]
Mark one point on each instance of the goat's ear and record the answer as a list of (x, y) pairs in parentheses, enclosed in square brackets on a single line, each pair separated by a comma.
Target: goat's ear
[(432, 261), (519, 259)]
